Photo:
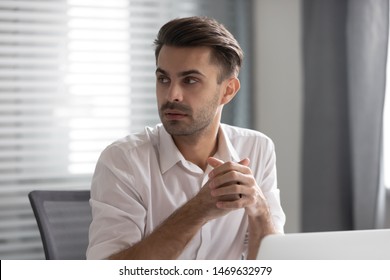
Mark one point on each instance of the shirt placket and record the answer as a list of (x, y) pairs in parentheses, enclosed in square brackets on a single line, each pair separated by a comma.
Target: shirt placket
[(205, 231)]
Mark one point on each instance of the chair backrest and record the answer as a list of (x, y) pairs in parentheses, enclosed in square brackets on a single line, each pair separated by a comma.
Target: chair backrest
[(63, 219)]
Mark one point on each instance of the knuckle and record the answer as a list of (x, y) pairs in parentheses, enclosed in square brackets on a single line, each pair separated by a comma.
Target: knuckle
[(229, 165), (248, 170), (234, 176)]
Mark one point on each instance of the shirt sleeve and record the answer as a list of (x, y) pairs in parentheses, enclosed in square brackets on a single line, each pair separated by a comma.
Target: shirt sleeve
[(269, 186), (117, 208), (263, 164)]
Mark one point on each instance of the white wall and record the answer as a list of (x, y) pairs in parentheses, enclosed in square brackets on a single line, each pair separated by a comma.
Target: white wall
[(278, 88)]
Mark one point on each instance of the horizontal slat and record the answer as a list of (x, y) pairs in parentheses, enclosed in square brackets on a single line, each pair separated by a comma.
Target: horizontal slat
[(18, 167), (36, 27), (100, 46), (61, 183), (31, 50), (36, 117), (20, 234), (19, 224), (112, 35), (20, 246), (15, 113), (96, 92), (100, 3), (7, 212), (99, 134), (44, 5), (29, 62), (31, 39), (76, 108), (101, 23), (106, 74), (43, 154), (98, 57), (36, 85), (39, 16), (32, 176), (117, 68), (35, 253), (98, 13), (28, 74), (33, 131)]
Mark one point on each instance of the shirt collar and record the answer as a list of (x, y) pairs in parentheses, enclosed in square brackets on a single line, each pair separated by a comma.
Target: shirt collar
[(226, 151), (170, 154)]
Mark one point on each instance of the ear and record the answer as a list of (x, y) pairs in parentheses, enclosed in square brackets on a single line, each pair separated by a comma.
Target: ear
[(230, 89)]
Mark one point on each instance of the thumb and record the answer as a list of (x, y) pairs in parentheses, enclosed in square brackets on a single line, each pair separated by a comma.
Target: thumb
[(214, 162), (244, 161)]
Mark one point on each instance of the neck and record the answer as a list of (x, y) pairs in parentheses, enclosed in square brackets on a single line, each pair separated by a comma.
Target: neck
[(198, 148)]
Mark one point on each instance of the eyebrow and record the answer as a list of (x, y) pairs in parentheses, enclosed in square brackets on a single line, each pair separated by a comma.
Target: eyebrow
[(181, 74)]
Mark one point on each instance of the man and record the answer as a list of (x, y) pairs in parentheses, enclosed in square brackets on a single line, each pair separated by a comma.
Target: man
[(191, 188)]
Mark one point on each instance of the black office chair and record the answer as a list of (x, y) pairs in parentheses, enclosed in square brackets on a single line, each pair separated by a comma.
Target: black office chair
[(63, 219)]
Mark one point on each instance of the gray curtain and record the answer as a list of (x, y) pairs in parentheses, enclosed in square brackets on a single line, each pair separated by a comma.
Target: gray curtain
[(344, 50)]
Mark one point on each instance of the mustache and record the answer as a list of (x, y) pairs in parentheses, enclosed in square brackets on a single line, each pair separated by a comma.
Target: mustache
[(176, 106)]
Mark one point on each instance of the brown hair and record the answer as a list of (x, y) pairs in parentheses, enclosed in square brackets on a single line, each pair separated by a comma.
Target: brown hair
[(205, 32)]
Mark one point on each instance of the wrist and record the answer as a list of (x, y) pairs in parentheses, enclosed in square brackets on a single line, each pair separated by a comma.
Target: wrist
[(261, 223)]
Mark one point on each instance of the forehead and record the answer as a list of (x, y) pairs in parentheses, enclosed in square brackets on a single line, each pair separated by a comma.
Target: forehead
[(179, 59)]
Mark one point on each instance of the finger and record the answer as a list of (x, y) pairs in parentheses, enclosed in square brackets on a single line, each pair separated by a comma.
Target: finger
[(232, 189), (229, 197), (231, 178), (233, 204), (223, 168)]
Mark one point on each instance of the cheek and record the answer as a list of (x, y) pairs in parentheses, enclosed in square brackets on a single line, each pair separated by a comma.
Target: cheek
[(210, 105)]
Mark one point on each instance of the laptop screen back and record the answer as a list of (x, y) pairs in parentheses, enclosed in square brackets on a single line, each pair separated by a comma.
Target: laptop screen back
[(332, 245)]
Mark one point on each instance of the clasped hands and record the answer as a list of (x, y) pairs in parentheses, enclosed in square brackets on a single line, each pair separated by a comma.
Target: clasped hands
[(232, 186)]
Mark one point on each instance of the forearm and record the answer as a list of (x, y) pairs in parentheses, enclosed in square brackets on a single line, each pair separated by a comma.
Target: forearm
[(169, 239)]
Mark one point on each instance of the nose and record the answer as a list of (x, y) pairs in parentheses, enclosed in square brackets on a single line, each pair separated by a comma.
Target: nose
[(175, 93)]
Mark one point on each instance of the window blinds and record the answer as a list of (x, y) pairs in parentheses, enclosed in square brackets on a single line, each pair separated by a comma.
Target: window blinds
[(386, 122), (74, 76)]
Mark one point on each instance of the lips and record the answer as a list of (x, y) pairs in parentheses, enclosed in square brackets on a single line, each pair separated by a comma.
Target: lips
[(174, 114), (175, 111)]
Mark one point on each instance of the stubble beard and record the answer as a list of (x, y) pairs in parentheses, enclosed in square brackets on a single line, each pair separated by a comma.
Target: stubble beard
[(199, 121)]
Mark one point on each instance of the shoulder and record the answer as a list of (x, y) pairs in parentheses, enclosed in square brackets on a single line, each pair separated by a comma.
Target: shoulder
[(239, 134), (139, 143)]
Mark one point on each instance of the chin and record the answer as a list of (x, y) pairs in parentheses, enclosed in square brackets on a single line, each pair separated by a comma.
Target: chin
[(174, 128)]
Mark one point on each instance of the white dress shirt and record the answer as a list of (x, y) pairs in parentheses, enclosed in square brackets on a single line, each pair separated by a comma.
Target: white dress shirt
[(141, 179)]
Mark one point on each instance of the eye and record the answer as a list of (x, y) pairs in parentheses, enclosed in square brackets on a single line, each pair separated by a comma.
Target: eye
[(163, 79), (190, 80)]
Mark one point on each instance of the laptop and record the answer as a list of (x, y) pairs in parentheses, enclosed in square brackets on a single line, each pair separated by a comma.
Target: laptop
[(330, 245)]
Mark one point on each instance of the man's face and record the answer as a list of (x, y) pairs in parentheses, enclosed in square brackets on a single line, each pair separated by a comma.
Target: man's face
[(188, 94)]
